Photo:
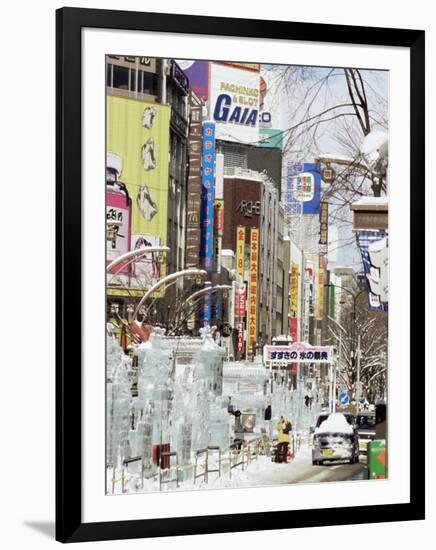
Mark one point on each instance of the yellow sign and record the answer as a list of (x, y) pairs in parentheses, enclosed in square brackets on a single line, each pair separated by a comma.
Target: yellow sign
[(240, 250), (138, 132), (293, 300), (252, 288), (320, 285)]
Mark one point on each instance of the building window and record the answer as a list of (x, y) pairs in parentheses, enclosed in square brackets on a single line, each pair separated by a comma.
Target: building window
[(109, 69), (120, 78), (234, 156), (148, 83), (133, 83)]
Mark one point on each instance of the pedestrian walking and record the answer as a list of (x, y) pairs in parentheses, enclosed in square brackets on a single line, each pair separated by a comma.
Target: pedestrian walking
[(283, 429)]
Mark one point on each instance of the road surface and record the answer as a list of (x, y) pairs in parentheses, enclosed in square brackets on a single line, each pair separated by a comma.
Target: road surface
[(300, 470)]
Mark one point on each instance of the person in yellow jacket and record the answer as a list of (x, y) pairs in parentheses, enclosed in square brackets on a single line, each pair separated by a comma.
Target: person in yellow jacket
[(283, 429)]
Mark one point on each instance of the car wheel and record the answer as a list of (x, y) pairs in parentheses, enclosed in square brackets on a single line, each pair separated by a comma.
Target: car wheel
[(315, 462)]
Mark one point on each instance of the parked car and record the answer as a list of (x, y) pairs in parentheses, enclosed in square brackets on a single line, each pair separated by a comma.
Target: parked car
[(323, 416), (335, 438), (365, 426)]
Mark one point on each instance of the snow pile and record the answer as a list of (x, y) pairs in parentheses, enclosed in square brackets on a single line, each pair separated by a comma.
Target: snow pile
[(336, 422)]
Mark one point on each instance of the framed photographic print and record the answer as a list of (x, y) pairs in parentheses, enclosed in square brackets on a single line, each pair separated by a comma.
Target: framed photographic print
[(240, 241)]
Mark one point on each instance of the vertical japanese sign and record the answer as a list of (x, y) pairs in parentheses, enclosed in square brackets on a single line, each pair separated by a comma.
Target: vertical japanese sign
[(332, 300), (240, 250), (218, 229), (240, 343), (240, 301), (206, 216), (320, 286), (323, 227), (293, 295), (293, 302), (252, 286), (194, 183), (207, 195)]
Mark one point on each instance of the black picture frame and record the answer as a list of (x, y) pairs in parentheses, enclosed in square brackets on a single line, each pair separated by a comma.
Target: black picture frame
[(69, 23)]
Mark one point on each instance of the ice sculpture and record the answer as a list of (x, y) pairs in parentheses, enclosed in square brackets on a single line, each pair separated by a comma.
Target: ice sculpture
[(207, 385), (118, 399), (155, 385)]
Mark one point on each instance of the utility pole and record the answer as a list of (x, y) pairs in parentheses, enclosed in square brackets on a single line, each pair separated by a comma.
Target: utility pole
[(358, 374), (338, 367)]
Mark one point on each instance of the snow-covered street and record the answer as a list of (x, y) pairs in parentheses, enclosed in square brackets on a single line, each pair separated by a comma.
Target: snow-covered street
[(259, 472)]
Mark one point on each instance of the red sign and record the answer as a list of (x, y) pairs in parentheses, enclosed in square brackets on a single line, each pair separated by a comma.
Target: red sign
[(240, 344), (240, 301), (293, 328), (218, 219)]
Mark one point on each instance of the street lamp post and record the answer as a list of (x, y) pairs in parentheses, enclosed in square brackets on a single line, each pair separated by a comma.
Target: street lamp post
[(167, 279), (133, 255), (194, 298)]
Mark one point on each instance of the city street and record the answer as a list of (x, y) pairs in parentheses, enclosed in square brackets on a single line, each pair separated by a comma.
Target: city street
[(300, 470), (247, 274)]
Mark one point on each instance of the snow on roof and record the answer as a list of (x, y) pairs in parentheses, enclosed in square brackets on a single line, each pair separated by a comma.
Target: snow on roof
[(370, 201), (332, 157), (336, 422)]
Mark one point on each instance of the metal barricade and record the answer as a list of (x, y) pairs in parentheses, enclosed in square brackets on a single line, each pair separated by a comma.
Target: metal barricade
[(171, 480), (212, 448), (236, 449), (206, 470), (126, 463), (252, 449)]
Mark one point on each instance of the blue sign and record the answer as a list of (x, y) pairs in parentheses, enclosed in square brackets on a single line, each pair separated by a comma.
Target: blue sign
[(365, 238), (303, 183), (206, 210), (207, 195), (206, 309), (344, 398)]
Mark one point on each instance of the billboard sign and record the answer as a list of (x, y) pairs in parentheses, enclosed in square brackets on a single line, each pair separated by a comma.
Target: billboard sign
[(146, 269), (299, 352), (118, 218), (234, 103), (304, 185), (198, 75), (270, 109), (137, 133), (375, 258), (270, 137)]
